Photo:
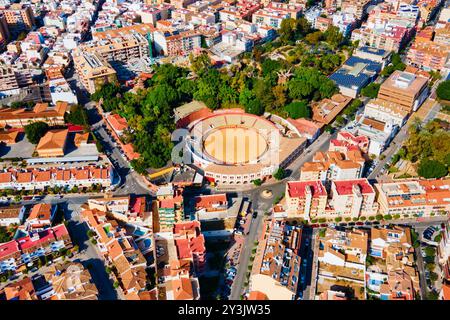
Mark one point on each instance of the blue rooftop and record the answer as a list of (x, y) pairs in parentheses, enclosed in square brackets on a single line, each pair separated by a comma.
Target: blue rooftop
[(356, 72)]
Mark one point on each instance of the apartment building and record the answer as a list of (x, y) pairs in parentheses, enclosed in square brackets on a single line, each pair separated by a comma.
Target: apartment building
[(386, 111), (167, 208), (19, 17), (151, 14), (346, 141), (374, 54), (333, 165), (305, 199), (19, 290), (356, 7), (18, 118), (428, 55), (190, 243), (382, 239), (68, 281), (322, 23), (405, 89), (13, 80), (93, 70), (394, 259), (414, 197), (36, 244), (390, 38), (275, 12), (128, 209), (41, 216), (121, 253), (398, 286), (341, 263), (4, 32), (442, 35), (38, 179), (12, 215), (213, 206), (178, 43), (352, 198), (277, 265), (124, 44)]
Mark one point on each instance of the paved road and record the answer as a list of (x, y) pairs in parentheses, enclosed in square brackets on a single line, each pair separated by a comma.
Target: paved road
[(90, 257), (131, 182), (311, 276)]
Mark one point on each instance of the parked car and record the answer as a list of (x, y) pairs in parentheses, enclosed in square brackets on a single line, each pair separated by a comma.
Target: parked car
[(359, 223)]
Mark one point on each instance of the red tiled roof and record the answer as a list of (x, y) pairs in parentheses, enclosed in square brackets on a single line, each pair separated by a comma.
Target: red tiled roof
[(8, 248), (117, 122), (209, 200), (297, 188), (344, 187)]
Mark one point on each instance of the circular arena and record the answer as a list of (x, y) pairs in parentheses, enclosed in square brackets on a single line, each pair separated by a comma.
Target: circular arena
[(232, 147)]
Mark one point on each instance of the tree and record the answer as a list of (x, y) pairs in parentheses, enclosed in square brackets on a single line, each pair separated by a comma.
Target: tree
[(279, 174), (5, 236), (443, 90), (371, 90), (396, 64), (298, 109), (257, 182), (287, 30), (314, 37), (333, 36), (207, 88), (35, 131), (200, 62), (432, 169)]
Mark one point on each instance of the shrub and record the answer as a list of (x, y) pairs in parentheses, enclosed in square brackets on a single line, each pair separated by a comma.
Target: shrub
[(35, 131), (298, 109), (443, 90), (257, 182), (280, 174), (432, 169)]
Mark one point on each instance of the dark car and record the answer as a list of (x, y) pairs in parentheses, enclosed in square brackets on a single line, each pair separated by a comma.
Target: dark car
[(254, 215), (324, 225), (351, 223), (368, 223), (314, 225), (342, 224), (359, 223)]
